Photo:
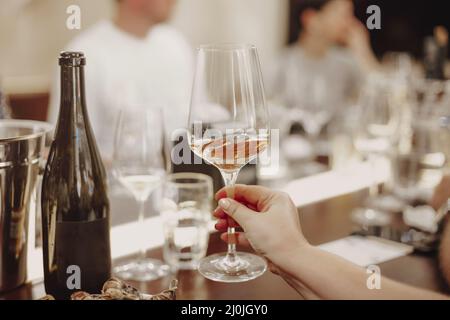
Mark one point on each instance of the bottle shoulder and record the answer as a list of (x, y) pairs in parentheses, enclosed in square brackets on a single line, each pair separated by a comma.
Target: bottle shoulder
[(74, 181)]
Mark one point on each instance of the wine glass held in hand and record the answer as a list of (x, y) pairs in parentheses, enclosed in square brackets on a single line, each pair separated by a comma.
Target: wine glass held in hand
[(228, 128), (138, 163)]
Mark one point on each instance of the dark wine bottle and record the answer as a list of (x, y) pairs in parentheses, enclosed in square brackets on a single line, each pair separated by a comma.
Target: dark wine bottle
[(75, 206)]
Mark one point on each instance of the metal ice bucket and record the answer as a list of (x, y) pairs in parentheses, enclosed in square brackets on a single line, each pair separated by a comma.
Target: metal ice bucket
[(21, 146)]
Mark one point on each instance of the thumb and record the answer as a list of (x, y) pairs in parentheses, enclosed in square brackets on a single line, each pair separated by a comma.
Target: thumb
[(236, 210)]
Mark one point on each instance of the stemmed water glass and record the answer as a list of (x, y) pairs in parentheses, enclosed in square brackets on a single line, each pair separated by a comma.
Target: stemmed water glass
[(138, 163), (420, 164), (311, 105), (228, 127), (375, 135)]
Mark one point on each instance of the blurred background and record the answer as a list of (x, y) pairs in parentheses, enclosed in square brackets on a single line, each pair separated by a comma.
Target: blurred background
[(33, 32), (356, 109), (314, 96)]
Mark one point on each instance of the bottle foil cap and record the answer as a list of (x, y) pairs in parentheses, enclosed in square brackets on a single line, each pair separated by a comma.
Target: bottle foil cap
[(72, 59)]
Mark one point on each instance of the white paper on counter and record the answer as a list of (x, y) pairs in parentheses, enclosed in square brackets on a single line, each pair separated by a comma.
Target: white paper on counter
[(365, 251)]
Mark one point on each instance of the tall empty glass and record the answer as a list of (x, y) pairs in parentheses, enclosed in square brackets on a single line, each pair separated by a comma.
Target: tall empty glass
[(186, 213), (229, 127)]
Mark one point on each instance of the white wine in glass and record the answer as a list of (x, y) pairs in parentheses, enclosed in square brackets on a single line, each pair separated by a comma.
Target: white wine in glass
[(228, 128)]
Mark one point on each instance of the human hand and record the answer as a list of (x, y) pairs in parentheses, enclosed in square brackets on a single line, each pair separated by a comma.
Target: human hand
[(357, 39), (441, 35), (269, 219)]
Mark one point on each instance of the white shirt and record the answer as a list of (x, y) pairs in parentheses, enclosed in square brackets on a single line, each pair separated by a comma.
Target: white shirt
[(122, 70)]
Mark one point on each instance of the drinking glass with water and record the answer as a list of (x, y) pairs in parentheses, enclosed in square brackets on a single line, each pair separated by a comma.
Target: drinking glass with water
[(186, 213)]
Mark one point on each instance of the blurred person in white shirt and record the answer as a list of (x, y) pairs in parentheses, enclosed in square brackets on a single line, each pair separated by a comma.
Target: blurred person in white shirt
[(133, 59)]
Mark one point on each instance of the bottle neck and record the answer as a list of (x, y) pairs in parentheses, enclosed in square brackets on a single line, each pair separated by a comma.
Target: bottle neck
[(72, 111)]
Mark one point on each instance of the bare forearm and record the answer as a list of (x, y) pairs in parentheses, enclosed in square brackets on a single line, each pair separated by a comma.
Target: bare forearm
[(444, 252), (320, 274)]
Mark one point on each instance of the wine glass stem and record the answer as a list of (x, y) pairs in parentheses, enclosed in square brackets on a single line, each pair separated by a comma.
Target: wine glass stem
[(373, 188), (313, 139), (141, 221), (229, 179)]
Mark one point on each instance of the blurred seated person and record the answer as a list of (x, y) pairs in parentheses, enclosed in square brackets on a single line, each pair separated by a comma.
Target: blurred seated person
[(328, 60), (312, 272), (132, 60)]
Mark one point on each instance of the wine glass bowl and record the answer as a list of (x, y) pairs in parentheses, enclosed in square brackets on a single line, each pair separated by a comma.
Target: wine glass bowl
[(379, 118), (231, 151), (228, 128)]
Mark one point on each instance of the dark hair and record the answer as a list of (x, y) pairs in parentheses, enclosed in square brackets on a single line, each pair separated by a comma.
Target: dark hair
[(297, 9)]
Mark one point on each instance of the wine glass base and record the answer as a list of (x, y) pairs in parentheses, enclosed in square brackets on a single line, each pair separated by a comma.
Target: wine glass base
[(247, 267), (142, 270), (368, 217)]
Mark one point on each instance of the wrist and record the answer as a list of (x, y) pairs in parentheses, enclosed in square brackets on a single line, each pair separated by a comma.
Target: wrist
[(290, 252)]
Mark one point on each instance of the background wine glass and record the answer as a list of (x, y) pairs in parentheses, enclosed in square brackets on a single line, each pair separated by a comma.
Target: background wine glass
[(312, 104), (398, 64), (312, 108), (229, 127), (375, 135), (138, 163), (420, 165)]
